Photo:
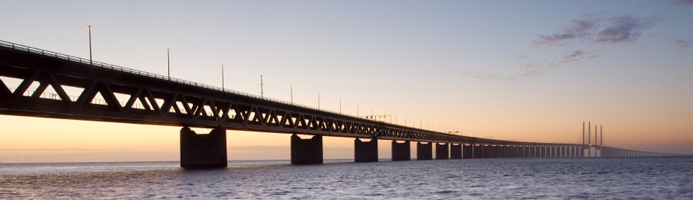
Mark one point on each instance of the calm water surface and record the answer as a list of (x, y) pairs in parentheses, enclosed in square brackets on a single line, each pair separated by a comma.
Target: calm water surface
[(640, 178)]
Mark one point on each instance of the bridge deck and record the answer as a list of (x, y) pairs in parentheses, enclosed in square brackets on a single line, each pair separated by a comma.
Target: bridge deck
[(133, 96)]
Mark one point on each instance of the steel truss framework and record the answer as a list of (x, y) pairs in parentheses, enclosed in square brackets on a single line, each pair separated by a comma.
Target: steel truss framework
[(132, 96)]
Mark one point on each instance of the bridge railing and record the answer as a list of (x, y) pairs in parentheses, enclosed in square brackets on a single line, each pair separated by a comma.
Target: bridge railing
[(148, 74)]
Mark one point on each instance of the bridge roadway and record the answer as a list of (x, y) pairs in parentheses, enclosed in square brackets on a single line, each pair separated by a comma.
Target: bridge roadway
[(133, 96)]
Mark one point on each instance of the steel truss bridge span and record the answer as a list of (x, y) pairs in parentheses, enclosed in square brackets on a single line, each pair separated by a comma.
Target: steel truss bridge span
[(54, 85), (155, 99)]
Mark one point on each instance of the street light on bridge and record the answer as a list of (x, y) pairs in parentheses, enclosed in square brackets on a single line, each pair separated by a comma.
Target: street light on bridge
[(168, 62), (222, 77), (91, 62)]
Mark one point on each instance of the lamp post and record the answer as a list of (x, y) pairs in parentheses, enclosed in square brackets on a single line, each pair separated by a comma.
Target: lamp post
[(292, 93), (91, 62), (222, 77), (262, 88), (168, 62)]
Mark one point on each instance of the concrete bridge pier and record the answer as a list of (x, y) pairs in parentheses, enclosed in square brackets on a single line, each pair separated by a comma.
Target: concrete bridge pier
[(424, 151), (568, 153), (494, 151), (467, 151), (542, 151), (366, 151), (306, 151), (487, 151), (442, 151), (401, 151), (576, 152), (517, 151), (477, 150), (203, 151), (531, 152), (456, 151), (559, 152)]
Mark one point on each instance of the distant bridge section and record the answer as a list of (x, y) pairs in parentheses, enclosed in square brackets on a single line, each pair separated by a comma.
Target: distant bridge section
[(55, 85)]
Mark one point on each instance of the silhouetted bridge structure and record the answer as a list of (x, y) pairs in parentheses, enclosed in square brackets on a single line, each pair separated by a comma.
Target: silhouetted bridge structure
[(68, 87)]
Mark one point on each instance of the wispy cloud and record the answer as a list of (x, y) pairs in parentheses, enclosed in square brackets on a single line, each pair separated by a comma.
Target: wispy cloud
[(578, 29), (576, 56), (531, 69), (488, 77), (624, 29), (585, 31), (588, 29), (612, 30), (683, 3), (682, 43)]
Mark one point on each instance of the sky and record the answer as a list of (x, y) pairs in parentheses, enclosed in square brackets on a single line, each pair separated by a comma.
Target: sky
[(513, 70)]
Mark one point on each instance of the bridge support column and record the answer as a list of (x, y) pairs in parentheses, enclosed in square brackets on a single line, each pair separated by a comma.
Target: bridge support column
[(494, 151), (366, 151), (559, 152), (568, 153), (530, 152), (401, 151), (576, 152), (204, 150), (306, 151), (542, 152), (477, 150), (442, 151), (456, 151), (487, 151), (424, 151), (467, 151)]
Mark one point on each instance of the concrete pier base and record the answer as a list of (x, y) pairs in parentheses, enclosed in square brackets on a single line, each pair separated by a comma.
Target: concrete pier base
[(366, 151), (442, 151), (306, 151), (401, 151), (203, 151), (456, 151), (424, 151), (467, 151)]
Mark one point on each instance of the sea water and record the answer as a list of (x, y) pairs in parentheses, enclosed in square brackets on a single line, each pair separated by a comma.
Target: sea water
[(503, 178)]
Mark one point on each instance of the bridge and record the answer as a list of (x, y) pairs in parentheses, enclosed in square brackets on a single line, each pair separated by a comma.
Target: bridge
[(133, 96)]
